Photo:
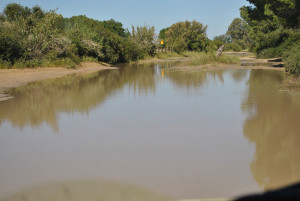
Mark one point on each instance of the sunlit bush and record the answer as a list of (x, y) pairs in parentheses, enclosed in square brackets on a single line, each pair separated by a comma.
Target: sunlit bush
[(293, 60)]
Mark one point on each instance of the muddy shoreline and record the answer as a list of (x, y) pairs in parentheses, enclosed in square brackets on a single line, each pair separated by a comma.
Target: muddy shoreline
[(11, 78)]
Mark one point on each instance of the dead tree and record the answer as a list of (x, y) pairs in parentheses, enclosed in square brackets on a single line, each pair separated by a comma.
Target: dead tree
[(220, 50)]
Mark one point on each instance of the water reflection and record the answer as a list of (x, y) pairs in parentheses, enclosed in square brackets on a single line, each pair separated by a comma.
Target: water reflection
[(273, 125), (40, 102), (178, 141), (239, 75), (88, 190)]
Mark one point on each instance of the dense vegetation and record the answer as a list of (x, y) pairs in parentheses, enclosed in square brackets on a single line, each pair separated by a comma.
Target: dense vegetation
[(34, 37), (236, 37), (274, 28)]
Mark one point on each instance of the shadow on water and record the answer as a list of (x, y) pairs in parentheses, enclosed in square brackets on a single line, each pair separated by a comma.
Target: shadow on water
[(273, 126)]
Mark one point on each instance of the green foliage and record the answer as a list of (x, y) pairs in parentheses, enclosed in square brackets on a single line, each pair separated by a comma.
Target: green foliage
[(293, 60), (187, 35), (10, 48), (131, 51), (233, 47), (224, 39), (271, 23), (283, 12), (15, 11), (162, 36), (116, 27), (162, 33), (238, 30), (274, 29), (144, 37), (213, 45), (32, 37)]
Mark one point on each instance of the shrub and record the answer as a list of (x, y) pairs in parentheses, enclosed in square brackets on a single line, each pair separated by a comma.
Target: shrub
[(10, 48), (293, 60), (131, 51), (233, 47)]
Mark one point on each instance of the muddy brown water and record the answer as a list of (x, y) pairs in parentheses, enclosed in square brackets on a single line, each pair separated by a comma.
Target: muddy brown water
[(179, 133)]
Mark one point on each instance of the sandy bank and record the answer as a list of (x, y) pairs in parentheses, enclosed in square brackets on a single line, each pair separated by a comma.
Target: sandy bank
[(10, 78)]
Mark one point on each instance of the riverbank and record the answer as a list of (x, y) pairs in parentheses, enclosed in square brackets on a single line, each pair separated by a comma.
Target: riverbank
[(10, 78)]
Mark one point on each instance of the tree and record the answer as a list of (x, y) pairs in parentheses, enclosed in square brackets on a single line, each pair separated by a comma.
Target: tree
[(162, 33), (14, 11), (275, 13), (223, 38), (114, 26), (187, 36), (145, 37), (273, 25), (238, 30)]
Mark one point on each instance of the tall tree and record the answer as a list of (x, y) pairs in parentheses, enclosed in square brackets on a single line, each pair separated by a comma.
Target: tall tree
[(238, 30), (283, 12)]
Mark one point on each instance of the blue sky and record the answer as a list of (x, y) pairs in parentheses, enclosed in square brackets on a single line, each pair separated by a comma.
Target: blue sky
[(217, 14)]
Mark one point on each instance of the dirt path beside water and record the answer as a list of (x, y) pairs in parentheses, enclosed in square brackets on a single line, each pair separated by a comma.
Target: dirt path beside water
[(10, 78)]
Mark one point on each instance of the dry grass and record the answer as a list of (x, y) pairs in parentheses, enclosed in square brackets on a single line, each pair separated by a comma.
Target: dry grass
[(291, 81), (201, 58), (166, 55)]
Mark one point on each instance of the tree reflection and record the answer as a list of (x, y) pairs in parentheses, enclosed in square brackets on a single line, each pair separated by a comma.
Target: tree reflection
[(193, 78), (273, 125), (239, 75), (40, 102)]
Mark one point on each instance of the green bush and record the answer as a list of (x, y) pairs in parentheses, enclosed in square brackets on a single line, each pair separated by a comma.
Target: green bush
[(283, 48), (293, 60), (270, 53), (10, 48), (233, 47), (131, 51), (213, 45)]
